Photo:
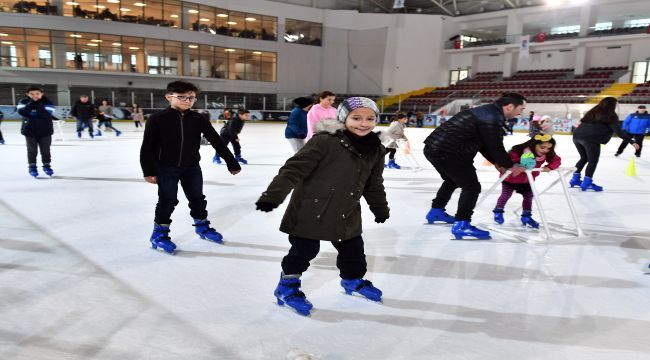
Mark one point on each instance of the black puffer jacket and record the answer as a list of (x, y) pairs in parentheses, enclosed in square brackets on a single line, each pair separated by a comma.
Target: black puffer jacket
[(83, 111), (173, 138), (469, 132), (600, 132), (232, 128), (37, 117)]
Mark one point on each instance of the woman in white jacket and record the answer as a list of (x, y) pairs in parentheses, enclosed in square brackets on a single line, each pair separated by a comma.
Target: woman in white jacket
[(391, 136)]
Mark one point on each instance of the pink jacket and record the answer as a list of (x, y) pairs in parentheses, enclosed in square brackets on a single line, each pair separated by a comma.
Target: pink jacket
[(539, 162), (316, 114)]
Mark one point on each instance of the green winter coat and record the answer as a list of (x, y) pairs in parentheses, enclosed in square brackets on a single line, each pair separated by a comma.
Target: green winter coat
[(328, 177)]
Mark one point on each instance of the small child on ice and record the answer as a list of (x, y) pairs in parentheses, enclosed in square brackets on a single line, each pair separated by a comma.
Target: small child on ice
[(328, 176), (534, 153), (391, 136)]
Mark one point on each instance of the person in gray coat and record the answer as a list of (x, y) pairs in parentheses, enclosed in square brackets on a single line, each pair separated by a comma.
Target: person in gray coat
[(328, 176)]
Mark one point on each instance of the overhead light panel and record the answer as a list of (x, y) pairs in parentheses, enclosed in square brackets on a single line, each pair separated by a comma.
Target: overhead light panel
[(193, 11), (222, 15)]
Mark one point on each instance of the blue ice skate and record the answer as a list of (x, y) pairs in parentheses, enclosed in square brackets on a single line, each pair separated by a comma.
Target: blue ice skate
[(575, 180), (588, 184), (464, 228), (99, 133), (47, 169), (202, 227), (498, 216), (160, 238), (78, 134), (2, 142), (527, 219), (362, 287), (33, 171), (117, 132), (393, 165), (288, 291), (216, 159), (241, 160), (436, 214)]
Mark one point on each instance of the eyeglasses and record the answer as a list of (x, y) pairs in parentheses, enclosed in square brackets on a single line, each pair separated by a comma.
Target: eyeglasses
[(185, 98)]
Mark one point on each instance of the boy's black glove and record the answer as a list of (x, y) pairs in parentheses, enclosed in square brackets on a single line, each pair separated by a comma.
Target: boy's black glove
[(380, 220), (265, 206)]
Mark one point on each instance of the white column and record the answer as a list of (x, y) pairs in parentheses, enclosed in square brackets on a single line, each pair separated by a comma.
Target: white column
[(581, 60), (587, 19), (515, 27), (508, 63)]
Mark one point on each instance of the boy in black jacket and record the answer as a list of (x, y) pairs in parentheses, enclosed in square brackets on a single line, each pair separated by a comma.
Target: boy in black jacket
[(36, 110), (170, 153), (84, 111), (230, 134)]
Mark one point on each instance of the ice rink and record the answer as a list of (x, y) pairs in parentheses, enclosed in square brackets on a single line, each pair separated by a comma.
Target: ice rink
[(78, 279)]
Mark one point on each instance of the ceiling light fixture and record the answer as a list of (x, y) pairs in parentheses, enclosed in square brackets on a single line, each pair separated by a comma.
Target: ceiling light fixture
[(134, 48), (231, 23), (193, 46), (222, 15), (173, 16), (125, 9), (250, 19), (139, 4), (193, 11), (75, 35)]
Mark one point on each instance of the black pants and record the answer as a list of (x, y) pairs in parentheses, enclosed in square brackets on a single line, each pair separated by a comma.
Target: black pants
[(589, 153), (34, 144), (419, 123), (1, 138), (455, 173), (638, 138), (351, 259), (191, 179), (235, 144), (391, 153)]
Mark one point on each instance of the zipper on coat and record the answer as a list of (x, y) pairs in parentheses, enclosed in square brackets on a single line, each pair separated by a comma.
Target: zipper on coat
[(180, 158)]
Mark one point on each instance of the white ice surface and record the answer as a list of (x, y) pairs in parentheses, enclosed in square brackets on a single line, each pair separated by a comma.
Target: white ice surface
[(79, 281)]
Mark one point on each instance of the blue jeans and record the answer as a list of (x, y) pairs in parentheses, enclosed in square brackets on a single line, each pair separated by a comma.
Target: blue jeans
[(83, 123), (191, 179)]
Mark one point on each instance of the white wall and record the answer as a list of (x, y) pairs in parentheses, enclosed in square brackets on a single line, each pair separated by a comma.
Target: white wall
[(553, 59), (488, 63), (604, 56)]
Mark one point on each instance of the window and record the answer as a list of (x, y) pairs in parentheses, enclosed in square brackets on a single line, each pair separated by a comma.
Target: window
[(637, 23), (458, 75), (641, 72), (303, 32), (603, 26), (12, 47), (565, 29)]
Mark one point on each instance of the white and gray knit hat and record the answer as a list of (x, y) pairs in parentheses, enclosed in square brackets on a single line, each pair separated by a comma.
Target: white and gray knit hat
[(350, 104)]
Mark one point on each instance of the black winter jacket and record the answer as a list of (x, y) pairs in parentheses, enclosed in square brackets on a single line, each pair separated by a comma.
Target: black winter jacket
[(173, 138), (471, 131), (232, 128), (83, 111), (599, 132), (37, 117)]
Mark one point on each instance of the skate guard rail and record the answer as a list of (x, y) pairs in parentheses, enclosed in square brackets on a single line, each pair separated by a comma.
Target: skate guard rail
[(561, 172)]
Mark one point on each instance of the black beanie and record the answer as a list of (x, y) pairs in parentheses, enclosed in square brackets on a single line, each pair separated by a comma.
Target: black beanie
[(302, 102)]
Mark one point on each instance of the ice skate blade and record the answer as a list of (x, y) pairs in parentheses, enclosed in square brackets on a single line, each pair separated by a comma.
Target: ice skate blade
[(357, 295), (305, 313), (155, 247), (462, 238), (203, 237)]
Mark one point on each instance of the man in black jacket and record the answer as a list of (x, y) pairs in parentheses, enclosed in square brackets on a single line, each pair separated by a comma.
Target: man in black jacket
[(230, 134), (170, 153), (451, 149), (84, 111)]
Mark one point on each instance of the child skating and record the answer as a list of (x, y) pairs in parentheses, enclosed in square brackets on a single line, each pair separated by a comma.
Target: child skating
[(37, 127), (328, 176), (393, 134), (230, 134), (84, 111), (105, 118), (538, 152), (170, 153)]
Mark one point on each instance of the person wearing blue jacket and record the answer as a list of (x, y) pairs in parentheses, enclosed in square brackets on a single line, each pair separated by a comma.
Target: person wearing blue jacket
[(637, 125), (296, 129), (37, 127)]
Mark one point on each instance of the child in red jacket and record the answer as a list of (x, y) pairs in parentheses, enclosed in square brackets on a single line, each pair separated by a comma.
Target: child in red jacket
[(534, 153)]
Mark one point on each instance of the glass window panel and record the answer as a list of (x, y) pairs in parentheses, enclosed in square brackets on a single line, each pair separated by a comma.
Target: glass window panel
[(221, 21), (220, 63), (28, 7), (12, 47), (173, 60), (155, 52), (303, 32), (253, 25), (39, 51), (193, 54), (268, 66), (236, 23), (84, 8), (269, 28), (111, 50), (206, 66), (236, 64), (191, 13), (134, 56), (172, 13), (153, 13)]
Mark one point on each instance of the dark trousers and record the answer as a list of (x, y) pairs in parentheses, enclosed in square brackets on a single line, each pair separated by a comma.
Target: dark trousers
[(86, 122), (235, 144), (419, 123), (34, 144), (391, 153), (137, 123), (638, 138), (351, 259), (1, 138), (107, 125), (191, 179), (589, 153), (455, 173)]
